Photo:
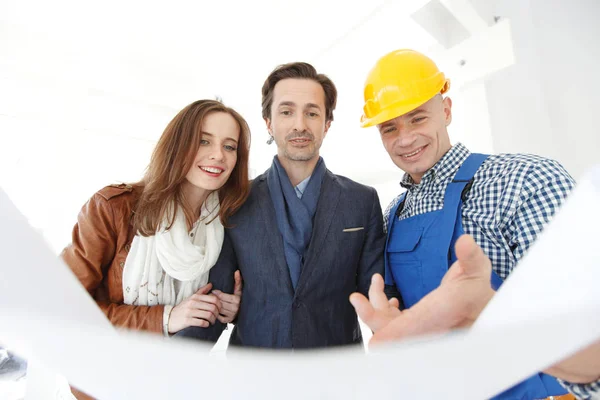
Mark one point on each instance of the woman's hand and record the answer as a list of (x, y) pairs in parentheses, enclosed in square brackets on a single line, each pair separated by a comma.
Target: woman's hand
[(200, 309)]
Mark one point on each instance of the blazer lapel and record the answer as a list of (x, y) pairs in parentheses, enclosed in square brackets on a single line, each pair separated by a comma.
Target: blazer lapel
[(273, 236), (326, 207)]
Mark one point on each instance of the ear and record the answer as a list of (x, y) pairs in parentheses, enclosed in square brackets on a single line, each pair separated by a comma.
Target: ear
[(447, 106), (268, 123), (327, 126)]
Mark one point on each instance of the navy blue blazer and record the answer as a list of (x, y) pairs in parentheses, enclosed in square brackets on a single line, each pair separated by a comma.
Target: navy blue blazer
[(345, 250)]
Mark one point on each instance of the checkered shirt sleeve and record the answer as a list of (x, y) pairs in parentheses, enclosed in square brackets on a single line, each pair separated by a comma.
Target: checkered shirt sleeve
[(589, 391), (512, 199)]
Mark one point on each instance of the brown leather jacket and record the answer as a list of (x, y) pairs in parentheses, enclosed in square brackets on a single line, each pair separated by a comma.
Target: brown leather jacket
[(100, 243)]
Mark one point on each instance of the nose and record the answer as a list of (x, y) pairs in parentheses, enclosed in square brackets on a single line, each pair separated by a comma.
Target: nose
[(300, 122), (217, 153), (405, 136)]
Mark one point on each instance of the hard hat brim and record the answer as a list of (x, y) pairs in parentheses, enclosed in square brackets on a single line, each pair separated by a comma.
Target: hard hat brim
[(399, 109), (389, 114)]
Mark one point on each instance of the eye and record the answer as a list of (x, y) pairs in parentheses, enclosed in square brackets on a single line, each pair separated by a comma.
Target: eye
[(388, 129), (203, 142), (286, 112), (313, 114), (418, 120), (229, 147)]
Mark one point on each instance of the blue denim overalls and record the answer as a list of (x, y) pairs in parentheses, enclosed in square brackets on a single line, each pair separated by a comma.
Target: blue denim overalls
[(420, 249)]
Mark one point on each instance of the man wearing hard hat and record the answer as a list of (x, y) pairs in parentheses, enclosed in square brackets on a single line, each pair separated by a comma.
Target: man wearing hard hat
[(503, 201)]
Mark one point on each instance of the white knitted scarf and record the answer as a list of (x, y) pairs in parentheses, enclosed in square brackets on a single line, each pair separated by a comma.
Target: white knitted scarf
[(172, 265)]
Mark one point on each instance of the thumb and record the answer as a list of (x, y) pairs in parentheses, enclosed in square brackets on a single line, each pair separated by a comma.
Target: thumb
[(205, 289), (473, 260), (237, 289)]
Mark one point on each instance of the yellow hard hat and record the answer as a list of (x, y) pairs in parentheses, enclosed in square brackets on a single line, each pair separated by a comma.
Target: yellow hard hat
[(400, 82)]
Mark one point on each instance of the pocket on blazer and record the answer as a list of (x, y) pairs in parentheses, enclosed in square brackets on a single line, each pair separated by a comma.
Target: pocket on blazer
[(359, 228)]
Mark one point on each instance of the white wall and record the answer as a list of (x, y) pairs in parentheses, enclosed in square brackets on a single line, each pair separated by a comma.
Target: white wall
[(545, 103)]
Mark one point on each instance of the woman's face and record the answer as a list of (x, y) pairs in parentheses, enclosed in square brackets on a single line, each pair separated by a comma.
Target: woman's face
[(217, 154)]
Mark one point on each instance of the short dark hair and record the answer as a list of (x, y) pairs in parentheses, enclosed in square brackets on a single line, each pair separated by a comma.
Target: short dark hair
[(298, 70)]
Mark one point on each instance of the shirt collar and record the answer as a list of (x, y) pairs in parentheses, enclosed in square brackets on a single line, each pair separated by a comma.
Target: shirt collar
[(301, 187), (443, 169)]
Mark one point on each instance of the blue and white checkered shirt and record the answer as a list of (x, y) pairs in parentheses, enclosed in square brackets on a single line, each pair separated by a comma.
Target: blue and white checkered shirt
[(512, 198), (590, 391)]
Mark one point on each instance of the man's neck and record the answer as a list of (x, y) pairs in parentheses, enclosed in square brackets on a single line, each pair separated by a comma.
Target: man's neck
[(298, 171), (416, 178)]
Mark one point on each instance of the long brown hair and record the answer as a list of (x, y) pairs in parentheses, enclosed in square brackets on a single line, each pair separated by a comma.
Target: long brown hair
[(171, 160)]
